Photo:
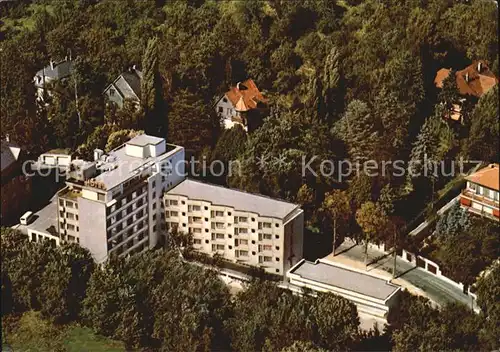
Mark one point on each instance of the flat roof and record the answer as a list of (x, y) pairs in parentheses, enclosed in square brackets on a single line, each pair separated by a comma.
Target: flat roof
[(144, 139), (124, 166), (345, 279), (239, 200), (45, 218)]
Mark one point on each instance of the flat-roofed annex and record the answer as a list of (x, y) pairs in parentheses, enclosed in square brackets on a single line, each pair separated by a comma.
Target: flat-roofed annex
[(239, 200)]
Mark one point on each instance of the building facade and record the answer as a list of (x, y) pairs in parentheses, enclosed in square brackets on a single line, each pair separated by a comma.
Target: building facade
[(481, 195), (243, 228), (372, 295)]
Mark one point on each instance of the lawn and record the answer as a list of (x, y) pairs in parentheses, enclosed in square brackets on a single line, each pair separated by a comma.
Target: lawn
[(33, 334)]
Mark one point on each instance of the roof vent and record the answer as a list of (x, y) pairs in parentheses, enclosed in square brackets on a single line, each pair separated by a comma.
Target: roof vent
[(98, 153)]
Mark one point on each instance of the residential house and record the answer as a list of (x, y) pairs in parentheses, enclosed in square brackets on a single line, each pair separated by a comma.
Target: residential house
[(16, 187), (238, 104), (481, 195), (473, 81), (54, 71), (126, 86), (243, 228)]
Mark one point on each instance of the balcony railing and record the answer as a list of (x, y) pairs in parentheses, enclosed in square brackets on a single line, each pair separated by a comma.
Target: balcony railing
[(481, 199)]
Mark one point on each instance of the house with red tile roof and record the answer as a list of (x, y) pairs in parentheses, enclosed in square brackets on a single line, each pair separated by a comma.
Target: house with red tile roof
[(234, 106), (481, 196), (473, 81)]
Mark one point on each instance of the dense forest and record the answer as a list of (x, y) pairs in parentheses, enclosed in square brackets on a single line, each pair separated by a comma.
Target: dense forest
[(345, 80), (155, 301)]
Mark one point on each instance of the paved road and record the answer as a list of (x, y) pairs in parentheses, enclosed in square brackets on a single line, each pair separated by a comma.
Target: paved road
[(439, 291)]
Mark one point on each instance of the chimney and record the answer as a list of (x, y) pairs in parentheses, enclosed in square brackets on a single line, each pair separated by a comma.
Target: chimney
[(479, 66)]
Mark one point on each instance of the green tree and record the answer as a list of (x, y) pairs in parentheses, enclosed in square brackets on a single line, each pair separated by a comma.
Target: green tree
[(150, 80), (192, 123), (302, 346), (357, 129), (488, 291), (332, 80), (483, 141), (337, 207), (373, 221), (337, 321), (119, 137)]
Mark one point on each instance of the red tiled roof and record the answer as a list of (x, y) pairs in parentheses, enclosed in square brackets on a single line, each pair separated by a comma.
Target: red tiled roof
[(469, 80), (247, 97), (487, 177)]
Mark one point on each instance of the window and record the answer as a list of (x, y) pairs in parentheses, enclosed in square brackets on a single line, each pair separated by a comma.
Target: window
[(197, 241), (112, 92), (217, 247), (268, 259), (244, 242), (277, 248), (212, 214), (219, 213), (101, 197), (154, 205), (154, 217), (61, 202), (70, 216), (265, 247), (266, 225), (277, 237), (224, 100), (196, 208), (219, 236), (242, 219), (174, 202), (277, 225), (253, 219), (277, 259), (221, 109), (69, 204), (265, 236), (153, 185), (196, 230), (71, 227), (229, 213), (243, 231), (206, 208), (243, 253)]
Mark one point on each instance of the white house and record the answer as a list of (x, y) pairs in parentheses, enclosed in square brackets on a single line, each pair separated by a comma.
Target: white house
[(234, 106)]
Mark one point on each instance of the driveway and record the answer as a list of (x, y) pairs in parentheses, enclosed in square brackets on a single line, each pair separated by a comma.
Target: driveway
[(413, 278)]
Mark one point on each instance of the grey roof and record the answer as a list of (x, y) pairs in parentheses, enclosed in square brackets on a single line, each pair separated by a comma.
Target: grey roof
[(125, 166), (346, 279), (9, 154), (144, 139), (61, 70), (129, 84), (239, 200), (45, 218)]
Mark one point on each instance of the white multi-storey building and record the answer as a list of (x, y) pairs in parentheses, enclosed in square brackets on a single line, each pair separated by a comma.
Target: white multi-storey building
[(126, 202), (242, 227), (114, 204)]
